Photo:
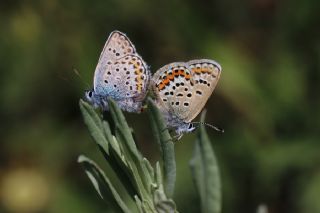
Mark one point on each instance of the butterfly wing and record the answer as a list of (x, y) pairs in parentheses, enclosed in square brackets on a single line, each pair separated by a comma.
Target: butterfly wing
[(171, 85), (182, 89), (205, 75), (117, 46), (126, 77), (120, 73)]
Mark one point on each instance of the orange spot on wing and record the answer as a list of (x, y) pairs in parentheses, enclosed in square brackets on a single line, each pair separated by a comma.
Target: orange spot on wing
[(166, 81), (138, 72), (181, 72), (205, 70), (139, 87), (161, 86), (196, 70), (139, 79), (170, 77)]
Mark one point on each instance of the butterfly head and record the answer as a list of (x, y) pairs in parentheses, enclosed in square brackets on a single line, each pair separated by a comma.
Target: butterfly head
[(89, 96), (92, 98), (96, 100), (186, 128)]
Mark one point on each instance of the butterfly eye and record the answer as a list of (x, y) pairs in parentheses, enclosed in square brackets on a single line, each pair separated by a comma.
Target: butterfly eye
[(190, 126)]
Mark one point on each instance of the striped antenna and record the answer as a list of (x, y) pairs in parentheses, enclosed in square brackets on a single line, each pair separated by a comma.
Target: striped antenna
[(210, 125)]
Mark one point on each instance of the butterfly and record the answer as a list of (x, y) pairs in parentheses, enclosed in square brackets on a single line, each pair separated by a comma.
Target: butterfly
[(182, 89), (121, 74)]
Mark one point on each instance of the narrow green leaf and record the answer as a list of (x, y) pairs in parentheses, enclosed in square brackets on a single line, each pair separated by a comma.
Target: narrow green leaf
[(101, 134), (160, 200), (111, 139), (163, 138), (129, 146), (139, 204), (205, 173), (163, 205), (103, 185), (158, 175), (148, 207), (119, 165), (107, 131), (133, 167), (94, 124), (149, 167), (121, 122)]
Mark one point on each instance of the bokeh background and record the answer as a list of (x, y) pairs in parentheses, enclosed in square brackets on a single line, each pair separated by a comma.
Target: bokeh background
[(267, 99)]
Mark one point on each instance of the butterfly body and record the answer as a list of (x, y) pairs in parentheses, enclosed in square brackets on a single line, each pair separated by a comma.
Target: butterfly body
[(121, 74), (182, 89)]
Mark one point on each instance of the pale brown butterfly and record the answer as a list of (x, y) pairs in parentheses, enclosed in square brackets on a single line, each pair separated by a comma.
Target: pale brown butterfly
[(182, 89), (121, 74)]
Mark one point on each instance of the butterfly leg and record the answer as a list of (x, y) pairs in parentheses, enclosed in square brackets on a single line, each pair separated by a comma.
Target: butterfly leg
[(176, 138), (105, 105)]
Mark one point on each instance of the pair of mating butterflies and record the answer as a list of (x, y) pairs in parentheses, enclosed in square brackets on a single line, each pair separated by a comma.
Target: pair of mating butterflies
[(181, 88)]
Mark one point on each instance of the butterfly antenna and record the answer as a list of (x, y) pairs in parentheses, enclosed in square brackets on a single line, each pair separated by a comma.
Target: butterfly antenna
[(211, 126), (75, 70)]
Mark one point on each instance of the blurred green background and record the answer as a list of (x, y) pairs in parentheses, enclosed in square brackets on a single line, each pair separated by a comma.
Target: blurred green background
[(267, 99)]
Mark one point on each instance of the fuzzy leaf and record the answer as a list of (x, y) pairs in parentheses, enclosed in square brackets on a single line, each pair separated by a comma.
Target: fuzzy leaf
[(205, 173), (113, 143), (124, 135), (163, 205), (94, 124), (158, 175), (163, 138), (120, 166), (132, 165), (139, 204), (103, 185), (101, 134), (149, 167), (160, 200), (121, 122)]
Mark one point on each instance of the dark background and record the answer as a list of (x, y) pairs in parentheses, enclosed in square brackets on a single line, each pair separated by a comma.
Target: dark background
[(267, 99)]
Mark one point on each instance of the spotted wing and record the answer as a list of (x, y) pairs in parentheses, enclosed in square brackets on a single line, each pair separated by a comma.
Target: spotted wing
[(205, 75), (182, 89), (126, 77), (172, 85), (117, 46)]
